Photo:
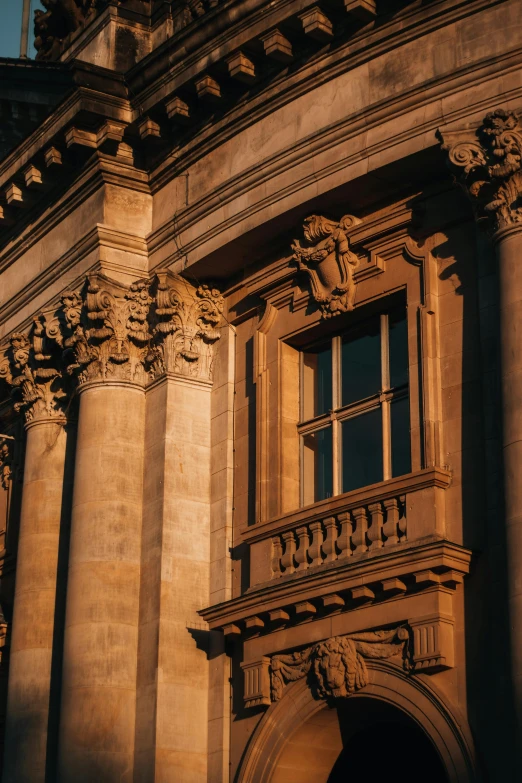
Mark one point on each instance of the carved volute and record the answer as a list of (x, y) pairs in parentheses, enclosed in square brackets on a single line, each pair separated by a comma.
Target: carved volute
[(329, 262), (487, 163)]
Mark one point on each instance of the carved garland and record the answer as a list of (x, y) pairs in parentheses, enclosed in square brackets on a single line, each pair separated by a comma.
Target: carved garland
[(487, 163), (328, 262), (336, 668)]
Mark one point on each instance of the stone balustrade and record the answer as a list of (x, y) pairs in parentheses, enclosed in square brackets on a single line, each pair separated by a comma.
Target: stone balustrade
[(351, 532), (348, 527)]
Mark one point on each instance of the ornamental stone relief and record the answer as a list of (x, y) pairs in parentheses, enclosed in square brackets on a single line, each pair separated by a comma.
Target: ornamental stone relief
[(336, 667), (487, 163), (31, 367), (111, 332), (328, 261), (185, 329)]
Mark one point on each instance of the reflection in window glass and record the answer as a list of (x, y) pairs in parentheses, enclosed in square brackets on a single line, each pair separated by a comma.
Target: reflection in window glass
[(361, 363), (317, 377), (362, 450), (400, 437), (398, 330), (317, 464)]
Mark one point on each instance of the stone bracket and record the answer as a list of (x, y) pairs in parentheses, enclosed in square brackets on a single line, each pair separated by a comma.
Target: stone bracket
[(433, 642), (257, 682)]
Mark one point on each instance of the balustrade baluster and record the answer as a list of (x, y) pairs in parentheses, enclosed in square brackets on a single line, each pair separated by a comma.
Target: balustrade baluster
[(329, 547), (344, 540), (361, 527), (390, 527), (301, 556), (277, 551), (401, 524), (315, 550), (375, 529), (288, 558)]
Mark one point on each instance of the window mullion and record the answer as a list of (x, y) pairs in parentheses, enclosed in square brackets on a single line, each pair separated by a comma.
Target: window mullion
[(336, 402), (385, 385)]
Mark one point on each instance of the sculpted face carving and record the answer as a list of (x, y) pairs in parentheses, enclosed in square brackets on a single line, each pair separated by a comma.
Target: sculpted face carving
[(329, 262), (336, 667), (487, 162)]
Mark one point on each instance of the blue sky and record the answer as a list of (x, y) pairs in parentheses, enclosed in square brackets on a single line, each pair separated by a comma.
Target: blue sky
[(11, 27)]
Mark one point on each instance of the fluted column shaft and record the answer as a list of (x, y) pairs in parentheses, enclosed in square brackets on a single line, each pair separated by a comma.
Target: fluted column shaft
[(30, 742), (101, 626)]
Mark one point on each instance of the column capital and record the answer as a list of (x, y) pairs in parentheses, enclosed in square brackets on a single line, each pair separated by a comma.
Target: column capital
[(31, 366), (486, 161), (186, 322), (105, 330)]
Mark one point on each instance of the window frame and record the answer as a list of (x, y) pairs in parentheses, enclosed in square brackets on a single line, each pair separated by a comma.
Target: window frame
[(339, 413)]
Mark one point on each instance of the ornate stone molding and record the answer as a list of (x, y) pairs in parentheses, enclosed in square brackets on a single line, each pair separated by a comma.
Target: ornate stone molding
[(487, 163), (186, 321), (335, 667), (106, 331), (31, 367), (329, 262)]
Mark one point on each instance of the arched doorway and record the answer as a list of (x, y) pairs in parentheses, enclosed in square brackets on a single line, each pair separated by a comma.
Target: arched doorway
[(393, 721), (375, 736)]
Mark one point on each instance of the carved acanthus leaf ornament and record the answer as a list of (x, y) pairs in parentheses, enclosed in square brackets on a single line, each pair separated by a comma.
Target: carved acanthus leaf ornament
[(106, 331), (186, 327), (329, 262), (31, 367), (487, 162), (336, 667)]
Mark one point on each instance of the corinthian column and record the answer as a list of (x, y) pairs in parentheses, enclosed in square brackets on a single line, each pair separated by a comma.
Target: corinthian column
[(487, 162), (172, 715), (30, 366), (105, 346)]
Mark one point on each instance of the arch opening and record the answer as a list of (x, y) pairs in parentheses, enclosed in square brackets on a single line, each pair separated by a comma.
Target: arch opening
[(358, 739)]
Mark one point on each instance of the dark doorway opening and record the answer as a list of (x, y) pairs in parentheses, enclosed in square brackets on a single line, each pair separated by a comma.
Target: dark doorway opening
[(381, 743)]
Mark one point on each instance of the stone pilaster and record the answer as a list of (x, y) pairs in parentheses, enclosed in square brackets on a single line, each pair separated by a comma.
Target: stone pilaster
[(487, 163), (31, 366), (105, 343), (172, 714)]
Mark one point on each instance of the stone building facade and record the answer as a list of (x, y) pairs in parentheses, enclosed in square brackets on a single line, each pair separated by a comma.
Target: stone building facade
[(261, 394)]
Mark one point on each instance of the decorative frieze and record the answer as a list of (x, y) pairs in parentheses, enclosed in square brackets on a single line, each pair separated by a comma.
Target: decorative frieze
[(487, 163), (186, 321), (31, 366), (329, 262), (336, 667)]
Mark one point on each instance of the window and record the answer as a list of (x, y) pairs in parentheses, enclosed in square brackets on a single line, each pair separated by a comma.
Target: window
[(355, 413)]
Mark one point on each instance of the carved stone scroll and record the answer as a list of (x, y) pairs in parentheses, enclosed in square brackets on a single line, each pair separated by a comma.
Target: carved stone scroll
[(487, 163), (336, 667), (328, 262), (187, 320)]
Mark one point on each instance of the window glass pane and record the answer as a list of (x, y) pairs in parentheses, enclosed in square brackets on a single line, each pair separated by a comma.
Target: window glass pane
[(361, 362), (317, 467), (317, 378), (362, 450), (400, 436), (398, 327)]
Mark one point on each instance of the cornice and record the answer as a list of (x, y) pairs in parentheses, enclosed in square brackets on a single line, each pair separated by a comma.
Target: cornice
[(99, 170), (432, 553), (323, 140)]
